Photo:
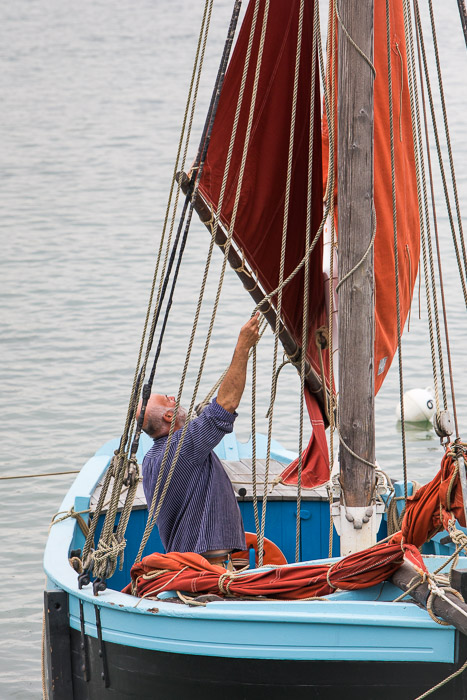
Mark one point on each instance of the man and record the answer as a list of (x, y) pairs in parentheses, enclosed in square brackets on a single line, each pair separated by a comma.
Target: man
[(199, 512)]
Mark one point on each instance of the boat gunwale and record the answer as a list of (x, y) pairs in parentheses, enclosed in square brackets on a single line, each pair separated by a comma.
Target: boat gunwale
[(62, 576)]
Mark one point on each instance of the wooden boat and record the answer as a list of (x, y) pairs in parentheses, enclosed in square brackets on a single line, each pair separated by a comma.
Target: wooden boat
[(361, 643)]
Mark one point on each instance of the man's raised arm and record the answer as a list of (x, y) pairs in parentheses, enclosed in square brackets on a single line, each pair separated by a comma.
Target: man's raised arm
[(233, 384)]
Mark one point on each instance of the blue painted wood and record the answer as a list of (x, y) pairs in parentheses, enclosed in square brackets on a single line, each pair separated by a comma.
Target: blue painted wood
[(341, 630)]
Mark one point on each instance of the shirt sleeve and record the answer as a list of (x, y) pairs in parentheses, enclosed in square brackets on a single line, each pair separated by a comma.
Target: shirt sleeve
[(206, 431)]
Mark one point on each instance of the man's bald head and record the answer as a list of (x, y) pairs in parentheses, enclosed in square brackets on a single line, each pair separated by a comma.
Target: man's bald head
[(158, 415)]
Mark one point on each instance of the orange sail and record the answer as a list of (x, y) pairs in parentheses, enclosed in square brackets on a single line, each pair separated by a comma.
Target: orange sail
[(407, 218)]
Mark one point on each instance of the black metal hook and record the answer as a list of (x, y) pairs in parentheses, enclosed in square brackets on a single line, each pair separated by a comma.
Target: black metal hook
[(98, 586)]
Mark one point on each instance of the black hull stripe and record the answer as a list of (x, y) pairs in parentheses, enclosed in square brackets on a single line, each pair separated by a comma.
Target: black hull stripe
[(144, 674)]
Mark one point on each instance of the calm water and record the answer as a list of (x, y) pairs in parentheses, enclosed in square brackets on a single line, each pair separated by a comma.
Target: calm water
[(92, 97)]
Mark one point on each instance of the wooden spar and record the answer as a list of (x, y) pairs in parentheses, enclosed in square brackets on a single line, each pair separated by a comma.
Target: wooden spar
[(312, 380), (404, 579), (355, 207), (463, 16)]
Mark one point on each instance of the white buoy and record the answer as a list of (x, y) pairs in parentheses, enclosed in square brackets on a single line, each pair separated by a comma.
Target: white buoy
[(419, 405)]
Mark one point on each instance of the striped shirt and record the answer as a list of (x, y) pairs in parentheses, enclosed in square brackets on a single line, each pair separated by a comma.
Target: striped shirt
[(200, 512)]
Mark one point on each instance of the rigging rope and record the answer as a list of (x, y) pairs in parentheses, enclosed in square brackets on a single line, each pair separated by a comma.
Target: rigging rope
[(421, 48), (463, 16), (448, 143), (281, 274), (34, 476), (396, 252), (154, 511), (421, 185), (107, 533), (306, 280), (121, 461), (328, 79), (421, 52), (253, 446)]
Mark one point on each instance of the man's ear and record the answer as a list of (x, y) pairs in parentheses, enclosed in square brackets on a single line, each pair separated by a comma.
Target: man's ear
[(168, 416)]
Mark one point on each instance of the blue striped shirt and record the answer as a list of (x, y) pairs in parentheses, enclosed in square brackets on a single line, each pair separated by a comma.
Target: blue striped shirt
[(200, 511)]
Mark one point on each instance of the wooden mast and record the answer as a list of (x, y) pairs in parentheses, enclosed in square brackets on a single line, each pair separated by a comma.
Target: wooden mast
[(355, 220)]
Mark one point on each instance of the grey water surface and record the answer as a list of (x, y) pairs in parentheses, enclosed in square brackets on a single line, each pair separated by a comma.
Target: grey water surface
[(92, 97)]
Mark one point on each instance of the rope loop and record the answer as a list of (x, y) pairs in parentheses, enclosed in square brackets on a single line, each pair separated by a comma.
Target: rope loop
[(322, 337), (242, 267), (225, 581), (255, 279), (328, 576), (72, 513), (435, 590)]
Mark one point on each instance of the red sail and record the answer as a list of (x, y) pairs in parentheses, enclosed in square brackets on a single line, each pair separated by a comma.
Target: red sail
[(315, 457), (260, 218)]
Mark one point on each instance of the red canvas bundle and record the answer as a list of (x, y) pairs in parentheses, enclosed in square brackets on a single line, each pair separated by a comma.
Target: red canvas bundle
[(430, 508), (192, 573)]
